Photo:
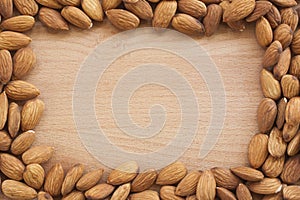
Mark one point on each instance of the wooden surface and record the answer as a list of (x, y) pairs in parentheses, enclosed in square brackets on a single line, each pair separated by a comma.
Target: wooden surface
[(60, 55)]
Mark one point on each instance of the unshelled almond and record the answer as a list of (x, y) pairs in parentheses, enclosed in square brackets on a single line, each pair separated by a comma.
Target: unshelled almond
[(122, 192), (291, 192), (284, 34), (44, 196), (171, 174), (6, 66), (3, 109), (284, 3), (19, 23), (272, 54), (168, 193), (110, 4), (265, 186), (248, 173), (100, 191), (266, 114), (277, 196), (54, 180), (290, 17), (141, 8), (14, 119), (34, 176), (144, 180), (145, 195), (50, 4), (93, 9), (124, 173), (69, 2), (291, 170), (281, 106), (5, 141), (194, 8), (295, 66), (31, 114), (21, 90), (206, 187), (258, 150), (23, 142), (187, 24), (72, 176), (276, 144), (24, 61), (274, 17), (123, 19), (237, 9), (296, 42), (263, 32), (273, 167), (164, 13), (261, 8), (89, 180), (11, 166), (18, 190), (294, 145), (27, 7), (188, 185), (37, 155), (75, 195), (290, 86), (282, 67), (292, 112), (76, 17), (52, 19), (224, 193), (225, 178), (270, 86), (243, 193), (289, 131), (212, 19), (6, 8)]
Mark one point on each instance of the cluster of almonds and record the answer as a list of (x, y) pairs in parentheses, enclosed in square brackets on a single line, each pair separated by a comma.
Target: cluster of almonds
[(274, 158)]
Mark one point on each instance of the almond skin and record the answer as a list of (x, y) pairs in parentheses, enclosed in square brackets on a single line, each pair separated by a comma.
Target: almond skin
[(124, 173), (21, 90), (123, 19), (12, 167), (89, 180), (212, 19), (72, 176), (37, 155), (100, 191), (23, 142), (258, 150), (54, 180), (248, 173), (24, 61), (34, 176), (16, 190), (144, 180), (164, 13), (206, 188), (76, 17), (188, 25), (266, 115), (171, 174), (53, 19), (31, 114)]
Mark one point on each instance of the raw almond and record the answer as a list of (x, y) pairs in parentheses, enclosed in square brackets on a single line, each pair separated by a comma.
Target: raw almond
[(163, 14), (34, 176), (168, 193), (12, 167), (76, 17), (258, 150), (110, 4), (6, 8), (14, 119), (283, 64), (37, 155), (75, 195), (243, 193), (237, 9), (264, 32), (72, 176), (281, 106), (270, 86), (225, 178), (290, 86), (266, 115), (294, 145), (24, 61), (272, 54), (141, 8), (265, 186), (295, 66), (290, 17), (261, 8), (100, 191), (19, 23), (296, 43), (3, 109), (223, 193), (23, 142), (193, 197), (122, 192), (212, 19), (93, 9), (289, 131), (144, 180), (206, 188), (5, 141), (44, 196), (124, 173), (54, 180), (277, 196), (52, 19), (188, 185), (273, 166), (31, 114), (274, 17), (284, 3), (69, 2), (248, 173), (145, 195), (276, 145), (284, 34), (27, 7), (6, 66), (17, 190), (193, 8), (292, 112), (171, 174), (50, 4), (187, 24), (291, 192), (123, 19), (291, 170), (21, 90), (89, 180)]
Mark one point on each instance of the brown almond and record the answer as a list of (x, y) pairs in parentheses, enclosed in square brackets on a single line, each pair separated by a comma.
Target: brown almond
[(248, 173), (21, 90), (6, 8), (265, 186), (24, 61), (284, 34), (290, 17), (284, 3), (5, 141), (72, 176), (23, 142), (291, 170), (274, 17), (122, 192), (291, 192), (54, 180), (171, 174), (266, 115), (296, 42), (50, 4), (292, 112), (14, 119), (44, 196), (75, 195), (270, 86), (168, 193), (52, 19), (295, 66), (272, 54), (273, 166), (193, 8), (19, 23), (69, 2), (124, 173), (76, 17), (3, 109), (223, 193), (145, 195), (123, 19), (225, 178), (290, 86), (283, 64), (17, 190), (294, 145), (6, 66), (141, 8), (206, 188), (89, 180), (263, 32), (27, 7), (277, 196), (163, 14), (188, 25), (144, 180), (93, 9), (11, 166), (31, 114), (239, 26), (243, 193), (34, 176), (258, 150), (237, 9), (276, 145), (212, 19), (289, 131), (188, 185), (13, 41), (261, 8), (100, 191), (281, 106), (37, 155), (110, 4), (193, 197)]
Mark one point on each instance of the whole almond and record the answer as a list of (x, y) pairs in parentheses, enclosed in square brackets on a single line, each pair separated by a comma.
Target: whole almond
[(23, 142), (69, 2), (273, 166), (243, 193), (54, 180), (100, 191), (89, 180), (265, 186), (123, 19), (211, 1), (76, 17), (277, 196), (193, 197), (292, 112), (19, 23), (284, 34), (72, 176), (248, 173), (258, 150), (37, 155), (274, 17), (171, 174), (289, 131), (24, 61), (52, 19), (44, 196), (27, 7), (237, 9), (193, 8), (3, 109), (294, 145), (272, 53), (34, 176), (6, 8), (18, 190), (212, 19), (50, 4), (291, 192), (290, 86), (188, 185), (145, 195), (187, 24), (93, 9), (291, 170), (14, 119), (110, 4), (261, 8), (263, 32), (290, 17), (124, 173), (225, 178), (6, 66), (284, 3), (11, 166), (206, 188), (283, 64), (75, 195), (223, 193), (266, 115), (281, 106), (122, 192), (164, 13), (5, 141), (168, 193), (276, 145), (21, 90), (296, 42), (31, 114), (295, 66), (144, 180), (270, 86), (141, 8)]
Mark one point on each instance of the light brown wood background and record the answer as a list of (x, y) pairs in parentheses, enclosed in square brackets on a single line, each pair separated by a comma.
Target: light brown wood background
[(237, 56)]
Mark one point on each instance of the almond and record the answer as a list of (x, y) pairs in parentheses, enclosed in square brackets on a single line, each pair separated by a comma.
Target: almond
[(265, 186), (186, 24), (283, 64), (237, 9), (296, 43), (272, 53), (14, 119), (72, 176), (276, 145), (52, 19), (258, 150), (123, 19), (123, 173), (12, 167), (44, 196), (122, 192), (193, 197), (27, 7), (223, 193), (273, 166), (274, 17), (5, 141), (69, 2), (294, 145), (19, 23), (17, 190), (193, 8), (31, 114), (284, 34), (243, 193), (289, 131), (89, 180), (110, 4), (290, 86), (292, 112), (141, 8), (291, 192), (266, 115), (100, 191), (23, 142), (284, 3), (212, 19), (75, 195), (21, 90), (264, 32), (6, 8), (295, 66), (281, 106), (50, 4), (188, 185), (34, 176), (291, 170), (54, 180), (225, 178), (93, 9), (3, 109), (168, 193), (163, 14), (24, 61), (76, 17), (37, 155), (145, 195), (171, 174), (290, 17), (270, 86), (239, 25), (261, 8), (277, 196), (248, 174), (206, 188), (144, 180), (6, 66)]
